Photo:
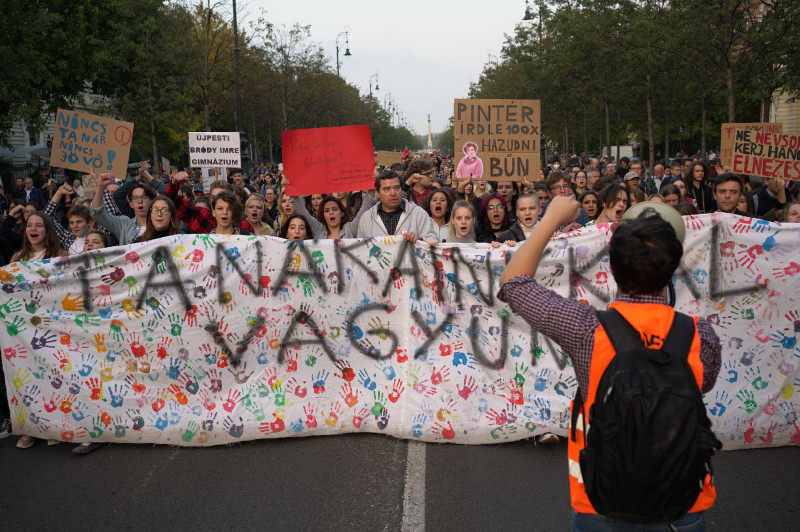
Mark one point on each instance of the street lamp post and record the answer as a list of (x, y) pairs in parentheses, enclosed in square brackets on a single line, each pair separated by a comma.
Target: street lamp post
[(347, 53), (236, 71), (375, 75)]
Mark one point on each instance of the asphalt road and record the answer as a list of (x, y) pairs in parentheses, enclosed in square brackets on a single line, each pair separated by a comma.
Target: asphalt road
[(351, 482)]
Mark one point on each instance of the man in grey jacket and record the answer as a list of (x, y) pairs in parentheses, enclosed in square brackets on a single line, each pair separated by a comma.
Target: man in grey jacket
[(393, 215)]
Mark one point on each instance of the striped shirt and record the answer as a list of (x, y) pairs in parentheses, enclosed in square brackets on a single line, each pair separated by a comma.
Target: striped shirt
[(572, 325)]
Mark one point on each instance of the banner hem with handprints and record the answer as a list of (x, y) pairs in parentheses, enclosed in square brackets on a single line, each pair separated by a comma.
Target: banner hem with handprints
[(207, 340)]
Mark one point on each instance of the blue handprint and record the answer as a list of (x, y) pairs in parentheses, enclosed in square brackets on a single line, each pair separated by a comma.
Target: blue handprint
[(733, 375), (541, 380), (388, 370), (543, 406), (366, 382), (88, 362), (419, 420), (722, 402), (118, 393), (175, 368)]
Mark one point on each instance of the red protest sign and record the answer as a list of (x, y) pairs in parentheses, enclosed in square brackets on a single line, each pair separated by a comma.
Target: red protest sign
[(328, 159)]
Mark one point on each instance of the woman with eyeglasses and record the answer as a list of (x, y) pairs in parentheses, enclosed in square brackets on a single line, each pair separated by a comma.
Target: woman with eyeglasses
[(493, 218), (126, 229), (162, 220)]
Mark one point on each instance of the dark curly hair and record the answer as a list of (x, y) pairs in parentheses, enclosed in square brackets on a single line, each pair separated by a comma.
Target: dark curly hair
[(644, 253)]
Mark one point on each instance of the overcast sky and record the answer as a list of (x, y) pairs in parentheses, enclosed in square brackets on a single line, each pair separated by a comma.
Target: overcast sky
[(425, 53)]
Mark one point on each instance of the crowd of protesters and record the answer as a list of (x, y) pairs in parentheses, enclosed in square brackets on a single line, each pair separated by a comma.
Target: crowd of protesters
[(420, 198)]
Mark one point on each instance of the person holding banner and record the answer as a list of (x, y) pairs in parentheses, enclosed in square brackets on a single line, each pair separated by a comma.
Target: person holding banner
[(393, 215), (790, 214), (462, 223), (255, 212), (39, 241), (227, 211), (493, 218), (727, 191), (522, 228), (126, 230)]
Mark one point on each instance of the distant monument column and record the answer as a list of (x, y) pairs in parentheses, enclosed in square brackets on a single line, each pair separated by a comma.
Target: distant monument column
[(430, 142)]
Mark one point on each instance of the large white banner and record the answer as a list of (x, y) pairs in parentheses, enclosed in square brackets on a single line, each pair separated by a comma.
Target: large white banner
[(205, 340)]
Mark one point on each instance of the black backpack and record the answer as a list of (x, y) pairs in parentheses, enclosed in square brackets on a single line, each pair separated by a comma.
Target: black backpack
[(649, 444)]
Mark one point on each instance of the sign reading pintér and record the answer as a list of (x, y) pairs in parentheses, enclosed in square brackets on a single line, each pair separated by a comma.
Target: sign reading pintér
[(503, 135), (214, 149)]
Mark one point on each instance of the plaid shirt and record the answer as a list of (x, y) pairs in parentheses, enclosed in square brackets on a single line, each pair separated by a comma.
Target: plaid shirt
[(572, 325), (196, 219)]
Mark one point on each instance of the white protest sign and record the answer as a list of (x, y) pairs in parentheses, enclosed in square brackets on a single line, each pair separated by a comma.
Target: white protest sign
[(214, 149), (213, 174)]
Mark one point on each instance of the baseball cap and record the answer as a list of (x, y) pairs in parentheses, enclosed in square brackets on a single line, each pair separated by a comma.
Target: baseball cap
[(631, 175)]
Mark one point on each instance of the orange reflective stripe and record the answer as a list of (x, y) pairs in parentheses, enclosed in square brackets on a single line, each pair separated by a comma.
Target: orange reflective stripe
[(653, 322)]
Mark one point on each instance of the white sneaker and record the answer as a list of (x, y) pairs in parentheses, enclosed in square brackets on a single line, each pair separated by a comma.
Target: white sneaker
[(548, 438), (25, 441)]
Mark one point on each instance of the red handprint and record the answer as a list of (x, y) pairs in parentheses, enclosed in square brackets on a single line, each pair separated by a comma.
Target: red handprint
[(233, 398), (468, 388), (347, 372), (350, 397), (398, 387)]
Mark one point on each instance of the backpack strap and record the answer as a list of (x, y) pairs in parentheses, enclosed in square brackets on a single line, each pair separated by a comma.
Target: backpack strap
[(680, 337), (621, 333)]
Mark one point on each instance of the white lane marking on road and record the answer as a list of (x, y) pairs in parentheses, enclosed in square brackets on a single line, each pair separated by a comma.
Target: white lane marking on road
[(414, 492)]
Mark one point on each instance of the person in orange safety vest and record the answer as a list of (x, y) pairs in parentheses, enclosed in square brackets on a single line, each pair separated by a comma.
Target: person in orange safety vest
[(644, 254)]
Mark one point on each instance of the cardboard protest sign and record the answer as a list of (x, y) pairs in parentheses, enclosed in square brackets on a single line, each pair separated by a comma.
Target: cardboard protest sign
[(328, 159), (89, 186), (726, 143), (497, 140), (165, 164), (766, 154), (388, 158), (84, 142), (207, 150)]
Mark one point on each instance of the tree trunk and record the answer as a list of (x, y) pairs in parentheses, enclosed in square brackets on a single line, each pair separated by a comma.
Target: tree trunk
[(651, 133), (269, 143), (585, 133), (731, 95), (254, 145), (666, 139), (566, 138), (703, 129), (619, 133), (608, 126), (156, 159)]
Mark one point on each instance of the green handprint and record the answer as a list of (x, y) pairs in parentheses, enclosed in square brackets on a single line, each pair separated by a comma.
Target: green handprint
[(133, 285), (308, 284), (16, 326), (377, 406), (12, 307), (205, 239), (97, 427), (521, 369), (747, 397), (161, 263), (191, 430)]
